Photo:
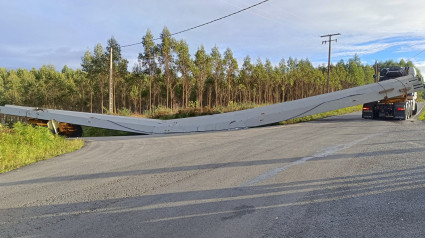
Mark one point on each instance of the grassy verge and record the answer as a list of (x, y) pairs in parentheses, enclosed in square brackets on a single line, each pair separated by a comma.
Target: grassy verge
[(24, 144), (422, 116), (323, 115)]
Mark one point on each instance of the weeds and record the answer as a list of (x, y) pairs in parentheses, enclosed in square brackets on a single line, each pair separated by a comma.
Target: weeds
[(24, 144), (422, 116), (323, 115)]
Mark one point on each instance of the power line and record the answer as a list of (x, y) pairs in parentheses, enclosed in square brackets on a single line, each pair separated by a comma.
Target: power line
[(416, 55), (204, 24)]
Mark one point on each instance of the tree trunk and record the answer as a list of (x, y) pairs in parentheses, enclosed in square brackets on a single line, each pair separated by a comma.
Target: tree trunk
[(91, 102), (150, 93)]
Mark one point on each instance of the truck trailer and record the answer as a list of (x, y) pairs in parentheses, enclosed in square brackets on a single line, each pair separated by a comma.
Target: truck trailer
[(401, 107)]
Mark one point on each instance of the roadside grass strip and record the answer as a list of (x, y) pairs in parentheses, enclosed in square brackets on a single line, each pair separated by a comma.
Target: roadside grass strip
[(341, 111), (25, 144), (422, 116)]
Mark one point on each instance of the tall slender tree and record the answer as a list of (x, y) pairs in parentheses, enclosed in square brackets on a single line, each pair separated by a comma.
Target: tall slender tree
[(202, 69), (184, 66), (246, 78), (119, 69), (217, 66), (166, 59), (147, 59), (231, 68)]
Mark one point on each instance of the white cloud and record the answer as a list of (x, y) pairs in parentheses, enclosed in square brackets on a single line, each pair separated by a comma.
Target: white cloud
[(275, 29), (421, 66)]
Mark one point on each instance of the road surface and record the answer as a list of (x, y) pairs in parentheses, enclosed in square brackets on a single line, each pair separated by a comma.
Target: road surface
[(338, 177)]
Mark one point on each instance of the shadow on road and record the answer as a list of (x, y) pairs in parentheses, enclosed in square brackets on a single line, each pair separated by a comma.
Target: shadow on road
[(208, 166), (381, 198)]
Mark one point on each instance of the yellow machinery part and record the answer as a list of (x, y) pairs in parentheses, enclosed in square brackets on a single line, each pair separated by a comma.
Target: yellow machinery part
[(61, 128)]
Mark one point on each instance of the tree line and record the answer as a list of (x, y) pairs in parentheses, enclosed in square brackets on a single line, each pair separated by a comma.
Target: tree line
[(168, 76)]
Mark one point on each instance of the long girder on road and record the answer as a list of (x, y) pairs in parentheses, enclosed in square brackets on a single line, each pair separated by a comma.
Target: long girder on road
[(233, 120)]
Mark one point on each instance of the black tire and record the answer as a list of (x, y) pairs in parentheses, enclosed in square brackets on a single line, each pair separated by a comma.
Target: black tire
[(416, 109)]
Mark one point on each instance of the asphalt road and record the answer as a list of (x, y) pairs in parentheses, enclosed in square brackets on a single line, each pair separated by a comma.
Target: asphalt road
[(338, 177)]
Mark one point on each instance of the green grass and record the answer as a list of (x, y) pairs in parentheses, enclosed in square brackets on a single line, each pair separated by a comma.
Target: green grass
[(96, 132), (24, 144), (422, 116), (323, 115)]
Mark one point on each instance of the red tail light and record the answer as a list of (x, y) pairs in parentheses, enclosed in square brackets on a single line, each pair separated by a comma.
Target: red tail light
[(366, 108), (401, 109)]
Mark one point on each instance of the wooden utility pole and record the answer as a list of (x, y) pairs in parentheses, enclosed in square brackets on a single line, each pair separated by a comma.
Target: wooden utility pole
[(111, 93), (376, 71), (329, 55)]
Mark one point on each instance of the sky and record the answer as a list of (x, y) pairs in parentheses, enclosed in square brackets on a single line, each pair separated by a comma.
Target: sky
[(59, 32)]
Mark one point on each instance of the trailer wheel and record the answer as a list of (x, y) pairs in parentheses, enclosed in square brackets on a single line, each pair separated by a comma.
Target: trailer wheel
[(416, 109), (407, 111)]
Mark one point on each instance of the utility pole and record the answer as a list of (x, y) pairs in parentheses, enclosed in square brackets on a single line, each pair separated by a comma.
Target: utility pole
[(376, 71), (329, 55), (111, 93)]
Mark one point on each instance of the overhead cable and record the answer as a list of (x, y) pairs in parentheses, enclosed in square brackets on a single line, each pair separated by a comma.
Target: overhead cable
[(204, 24)]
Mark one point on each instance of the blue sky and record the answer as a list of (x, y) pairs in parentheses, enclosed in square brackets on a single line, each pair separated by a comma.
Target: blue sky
[(58, 32)]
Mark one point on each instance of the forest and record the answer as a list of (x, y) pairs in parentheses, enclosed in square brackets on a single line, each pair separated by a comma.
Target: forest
[(167, 76)]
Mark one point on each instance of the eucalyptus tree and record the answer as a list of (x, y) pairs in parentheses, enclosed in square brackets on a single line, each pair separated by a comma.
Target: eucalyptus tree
[(217, 67), (291, 79), (96, 67), (83, 88), (245, 75), (147, 59), (369, 71), (101, 72), (355, 71), (13, 88), (184, 65), (119, 70), (306, 78), (268, 81), (276, 84), (88, 68), (30, 88), (134, 95), (166, 59), (339, 76), (57, 88), (3, 76), (138, 80), (202, 69), (230, 69), (258, 74), (281, 72)]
